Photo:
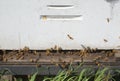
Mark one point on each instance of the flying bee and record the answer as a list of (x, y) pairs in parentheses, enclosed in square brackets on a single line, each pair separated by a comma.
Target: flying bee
[(70, 37), (108, 20), (105, 40)]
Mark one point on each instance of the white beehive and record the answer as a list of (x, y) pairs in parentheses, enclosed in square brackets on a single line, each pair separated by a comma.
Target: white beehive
[(41, 24)]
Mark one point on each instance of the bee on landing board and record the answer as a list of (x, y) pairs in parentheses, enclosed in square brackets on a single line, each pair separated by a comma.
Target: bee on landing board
[(48, 52), (70, 37)]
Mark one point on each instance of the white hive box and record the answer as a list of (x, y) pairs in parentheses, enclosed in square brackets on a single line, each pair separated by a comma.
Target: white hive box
[(41, 24)]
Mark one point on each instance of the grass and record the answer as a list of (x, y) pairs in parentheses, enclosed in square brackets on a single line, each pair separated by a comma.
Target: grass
[(85, 74)]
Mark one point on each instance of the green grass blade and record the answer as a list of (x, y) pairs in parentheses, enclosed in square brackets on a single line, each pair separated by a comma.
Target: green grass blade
[(19, 79), (81, 75), (33, 77)]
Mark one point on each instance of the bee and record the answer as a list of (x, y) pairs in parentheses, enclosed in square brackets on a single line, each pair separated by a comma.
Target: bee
[(52, 61), (99, 57), (26, 49), (109, 54), (11, 58), (102, 52), (5, 59), (89, 49), (4, 51), (95, 49), (69, 72), (35, 52), (106, 59), (56, 64), (82, 59), (20, 50), (29, 76), (105, 40), (44, 17), (60, 60), (39, 54), (31, 60), (18, 57), (47, 52), (62, 52), (83, 53), (71, 60), (21, 58), (108, 20), (63, 65), (97, 63), (1, 57), (59, 49), (55, 47), (70, 37), (114, 51), (38, 65)]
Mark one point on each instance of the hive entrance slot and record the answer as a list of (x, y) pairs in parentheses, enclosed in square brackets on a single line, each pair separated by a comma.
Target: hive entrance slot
[(61, 17), (60, 6)]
